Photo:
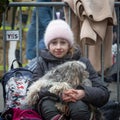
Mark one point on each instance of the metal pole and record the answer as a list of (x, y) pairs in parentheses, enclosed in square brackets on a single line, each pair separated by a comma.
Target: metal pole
[(20, 31), (4, 43), (37, 32), (118, 54)]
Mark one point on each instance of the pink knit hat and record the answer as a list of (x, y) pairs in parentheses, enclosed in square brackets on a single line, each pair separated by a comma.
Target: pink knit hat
[(58, 29)]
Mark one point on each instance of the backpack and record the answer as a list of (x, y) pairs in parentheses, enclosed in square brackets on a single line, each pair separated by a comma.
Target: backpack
[(15, 83), (20, 114)]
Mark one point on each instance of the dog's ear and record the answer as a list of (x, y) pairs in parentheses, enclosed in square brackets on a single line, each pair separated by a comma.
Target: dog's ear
[(85, 74), (81, 64)]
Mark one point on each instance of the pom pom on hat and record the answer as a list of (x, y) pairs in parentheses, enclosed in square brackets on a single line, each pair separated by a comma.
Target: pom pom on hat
[(58, 29)]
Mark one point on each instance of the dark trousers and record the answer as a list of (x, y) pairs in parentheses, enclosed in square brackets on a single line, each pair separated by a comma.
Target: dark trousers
[(78, 110)]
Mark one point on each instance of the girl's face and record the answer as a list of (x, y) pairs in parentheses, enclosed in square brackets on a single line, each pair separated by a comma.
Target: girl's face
[(59, 47)]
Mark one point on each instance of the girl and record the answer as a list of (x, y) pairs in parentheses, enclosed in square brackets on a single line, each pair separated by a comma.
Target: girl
[(59, 41)]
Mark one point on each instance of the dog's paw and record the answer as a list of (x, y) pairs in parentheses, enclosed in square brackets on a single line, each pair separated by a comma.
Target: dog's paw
[(58, 88)]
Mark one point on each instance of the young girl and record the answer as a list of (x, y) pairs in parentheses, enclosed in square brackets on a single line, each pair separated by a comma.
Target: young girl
[(59, 41)]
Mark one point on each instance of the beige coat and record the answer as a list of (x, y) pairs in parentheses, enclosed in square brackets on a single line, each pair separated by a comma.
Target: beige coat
[(92, 23)]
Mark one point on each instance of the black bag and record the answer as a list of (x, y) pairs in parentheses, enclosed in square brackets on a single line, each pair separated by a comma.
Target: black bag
[(15, 83), (111, 110)]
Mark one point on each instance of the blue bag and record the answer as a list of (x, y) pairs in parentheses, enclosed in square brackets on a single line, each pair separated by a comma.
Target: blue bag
[(15, 83)]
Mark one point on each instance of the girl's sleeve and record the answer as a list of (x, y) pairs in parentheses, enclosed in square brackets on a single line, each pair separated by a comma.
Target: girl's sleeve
[(38, 71), (98, 94)]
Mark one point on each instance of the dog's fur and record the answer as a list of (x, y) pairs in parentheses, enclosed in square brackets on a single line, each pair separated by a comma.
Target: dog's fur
[(63, 77)]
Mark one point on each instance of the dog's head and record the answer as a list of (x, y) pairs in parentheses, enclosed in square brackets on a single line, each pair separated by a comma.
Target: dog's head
[(72, 72)]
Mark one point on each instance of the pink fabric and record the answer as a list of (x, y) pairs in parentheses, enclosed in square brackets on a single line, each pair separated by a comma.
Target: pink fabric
[(56, 117), (19, 114)]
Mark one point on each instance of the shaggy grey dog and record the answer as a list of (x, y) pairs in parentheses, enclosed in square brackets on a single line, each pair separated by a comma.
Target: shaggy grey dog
[(63, 77)]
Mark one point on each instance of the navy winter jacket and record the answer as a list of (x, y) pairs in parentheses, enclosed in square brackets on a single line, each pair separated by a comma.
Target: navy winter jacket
[(97, 95)]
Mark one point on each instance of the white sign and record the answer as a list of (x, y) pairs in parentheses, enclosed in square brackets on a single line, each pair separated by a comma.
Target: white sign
[(12, 35)]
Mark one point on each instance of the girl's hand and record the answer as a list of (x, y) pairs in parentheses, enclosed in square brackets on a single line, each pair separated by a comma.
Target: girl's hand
[(73, 95)]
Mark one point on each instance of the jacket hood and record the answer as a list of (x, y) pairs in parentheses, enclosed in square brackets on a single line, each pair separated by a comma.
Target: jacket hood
[(45, 54)]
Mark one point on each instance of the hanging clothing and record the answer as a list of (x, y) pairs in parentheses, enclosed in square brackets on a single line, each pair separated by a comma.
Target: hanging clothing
[(92, 24)]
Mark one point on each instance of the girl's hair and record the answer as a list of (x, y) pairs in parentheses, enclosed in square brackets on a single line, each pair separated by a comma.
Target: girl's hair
[(73, 49)]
